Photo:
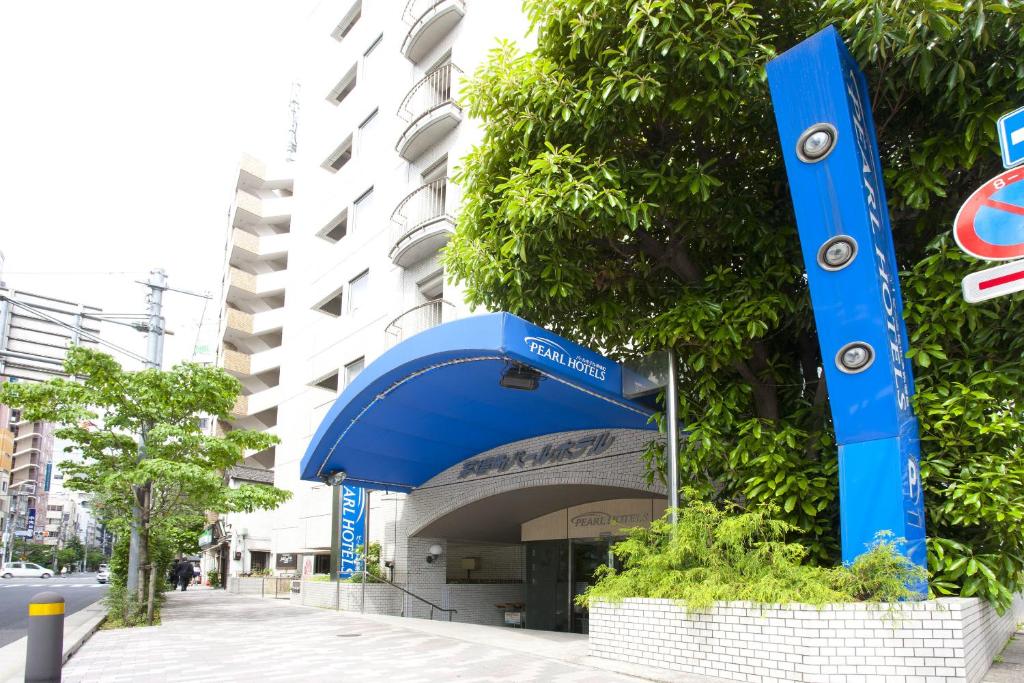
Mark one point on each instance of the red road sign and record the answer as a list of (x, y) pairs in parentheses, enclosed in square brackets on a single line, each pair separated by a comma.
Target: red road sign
[(993, 282), (990, 224)]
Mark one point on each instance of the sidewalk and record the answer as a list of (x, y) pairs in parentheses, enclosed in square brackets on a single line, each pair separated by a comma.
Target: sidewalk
[(209, 635)]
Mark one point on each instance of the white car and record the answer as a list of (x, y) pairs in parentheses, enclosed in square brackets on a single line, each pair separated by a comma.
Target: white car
[(25, 569), (104, 574)]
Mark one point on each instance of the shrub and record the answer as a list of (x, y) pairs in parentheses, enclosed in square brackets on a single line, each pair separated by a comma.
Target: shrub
[(726, 554)]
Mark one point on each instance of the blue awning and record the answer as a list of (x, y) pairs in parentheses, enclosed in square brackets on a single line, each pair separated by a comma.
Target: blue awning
[(438, 398)]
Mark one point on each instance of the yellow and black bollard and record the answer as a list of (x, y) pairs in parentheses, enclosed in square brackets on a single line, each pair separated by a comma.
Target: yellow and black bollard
[(44, 654)]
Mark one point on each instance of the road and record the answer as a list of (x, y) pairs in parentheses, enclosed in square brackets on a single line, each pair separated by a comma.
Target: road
[(79, 590)]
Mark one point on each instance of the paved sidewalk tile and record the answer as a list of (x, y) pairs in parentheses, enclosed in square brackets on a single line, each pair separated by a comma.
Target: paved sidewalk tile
[(208, 635), (1009, 665)]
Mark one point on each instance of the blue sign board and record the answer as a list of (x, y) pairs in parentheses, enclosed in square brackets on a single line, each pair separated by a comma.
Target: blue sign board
[(823, 114), (30, 526), (352, 534), (546, 351), (1011, 137)]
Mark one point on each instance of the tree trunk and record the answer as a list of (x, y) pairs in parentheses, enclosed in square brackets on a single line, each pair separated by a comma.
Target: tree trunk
[(151, 603)]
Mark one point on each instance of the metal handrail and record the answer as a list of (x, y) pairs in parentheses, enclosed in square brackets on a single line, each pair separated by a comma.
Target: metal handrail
[(430, 92), (421, 206), (415, 9), (416, 320), (410, 593)]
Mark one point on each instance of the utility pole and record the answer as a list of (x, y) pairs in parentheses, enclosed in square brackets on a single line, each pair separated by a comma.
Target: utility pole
[(672, 449), (157, 283)]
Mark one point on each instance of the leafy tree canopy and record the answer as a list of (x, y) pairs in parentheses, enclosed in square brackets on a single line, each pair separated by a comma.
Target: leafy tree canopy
[(629, 192), (105, 410)]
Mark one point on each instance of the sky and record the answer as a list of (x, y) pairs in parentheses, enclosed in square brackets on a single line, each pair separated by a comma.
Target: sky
[(122, 126)]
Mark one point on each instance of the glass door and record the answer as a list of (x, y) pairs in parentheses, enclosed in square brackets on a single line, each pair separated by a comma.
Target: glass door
[(547, 585), (587, 556)]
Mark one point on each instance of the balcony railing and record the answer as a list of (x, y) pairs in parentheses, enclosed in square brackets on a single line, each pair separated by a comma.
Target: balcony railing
[(429, 21), (418, 319), (421, 223), (434, 90), (423, 205)]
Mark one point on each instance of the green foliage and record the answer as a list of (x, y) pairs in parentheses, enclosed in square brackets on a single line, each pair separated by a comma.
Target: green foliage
[(720, 555), (374, 570), (629, 193), (105, 412), (214, 577)]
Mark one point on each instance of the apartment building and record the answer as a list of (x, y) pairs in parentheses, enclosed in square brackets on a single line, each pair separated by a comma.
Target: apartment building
[(333, 259), (31, 470)]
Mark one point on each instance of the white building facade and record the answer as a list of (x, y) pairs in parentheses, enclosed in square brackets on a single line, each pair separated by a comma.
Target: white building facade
[(321, 283)]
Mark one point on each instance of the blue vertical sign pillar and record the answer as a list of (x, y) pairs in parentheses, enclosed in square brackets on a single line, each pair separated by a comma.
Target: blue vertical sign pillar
[(352, 530), (828, 141)]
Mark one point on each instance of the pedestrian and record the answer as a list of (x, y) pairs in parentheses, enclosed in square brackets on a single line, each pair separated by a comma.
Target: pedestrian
[(198, 575), (185, 574)]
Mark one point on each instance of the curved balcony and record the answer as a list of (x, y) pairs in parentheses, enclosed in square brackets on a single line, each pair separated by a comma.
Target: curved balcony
[(18, 468), (422, 224), (23, 451), (429, 21), (417, 319), (431, 110)]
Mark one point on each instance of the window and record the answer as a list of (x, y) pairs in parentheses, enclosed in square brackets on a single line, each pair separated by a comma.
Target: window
[(330, 382), (366, 130), (431, 287), (361, 210), (357, 291), (346, 85), (337, 228), (321, 564), (258, 560), (340, 156), (353, 369), (331, 305), (348, 21), (371, 58)]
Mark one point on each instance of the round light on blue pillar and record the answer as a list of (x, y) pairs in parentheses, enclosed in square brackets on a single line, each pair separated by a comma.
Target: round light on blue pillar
[(837, 252), (817, 142), (855, 357)]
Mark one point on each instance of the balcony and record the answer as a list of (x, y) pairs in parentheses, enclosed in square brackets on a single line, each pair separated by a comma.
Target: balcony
[(248, 364), (34, 448), (255, 411), (418, 319), (241, 324), (429, 21), (250, 210), (247, 247), (250, 285), (254, 174), (18, 467), (421, 224), (431, 110)]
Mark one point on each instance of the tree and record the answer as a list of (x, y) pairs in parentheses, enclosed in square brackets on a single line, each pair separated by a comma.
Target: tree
[(629, 192), (105, 412)]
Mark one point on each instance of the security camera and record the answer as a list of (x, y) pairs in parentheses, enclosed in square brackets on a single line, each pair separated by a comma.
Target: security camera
[(430, 559)]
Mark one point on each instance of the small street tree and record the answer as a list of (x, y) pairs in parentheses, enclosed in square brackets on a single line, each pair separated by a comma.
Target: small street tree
[(104, 411), (629, 192)]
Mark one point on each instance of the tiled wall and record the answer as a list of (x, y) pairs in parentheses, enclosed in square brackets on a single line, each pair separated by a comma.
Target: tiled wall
[(938, 641)]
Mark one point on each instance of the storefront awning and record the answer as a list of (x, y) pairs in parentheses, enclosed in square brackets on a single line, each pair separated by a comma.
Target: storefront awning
[(459, 389)]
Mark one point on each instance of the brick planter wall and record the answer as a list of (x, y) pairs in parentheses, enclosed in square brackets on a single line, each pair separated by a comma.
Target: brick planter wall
[(941, 641)]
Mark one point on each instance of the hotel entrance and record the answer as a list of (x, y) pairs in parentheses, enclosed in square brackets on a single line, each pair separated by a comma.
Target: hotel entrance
[(564, 550), (556, 573)]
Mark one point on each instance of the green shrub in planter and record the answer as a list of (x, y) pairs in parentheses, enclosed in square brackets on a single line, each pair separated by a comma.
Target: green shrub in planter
[(730, 554)]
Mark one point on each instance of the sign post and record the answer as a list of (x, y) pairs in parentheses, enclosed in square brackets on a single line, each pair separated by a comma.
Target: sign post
[(354, 504), (823, 114), (990, 226)]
